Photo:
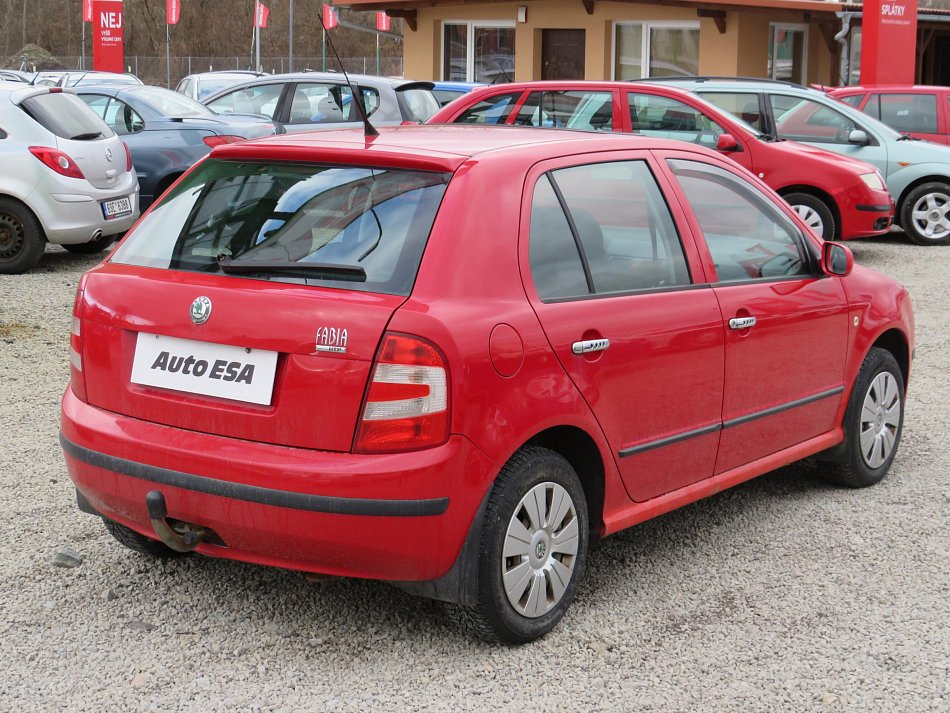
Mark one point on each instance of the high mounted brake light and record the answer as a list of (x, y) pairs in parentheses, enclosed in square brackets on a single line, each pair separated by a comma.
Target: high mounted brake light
[(407, 404), (219, 139)]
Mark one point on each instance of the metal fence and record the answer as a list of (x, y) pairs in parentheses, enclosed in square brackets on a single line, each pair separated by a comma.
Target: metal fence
[(152, 70)]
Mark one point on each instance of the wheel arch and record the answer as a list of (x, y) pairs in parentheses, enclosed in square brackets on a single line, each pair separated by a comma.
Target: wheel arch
[(18, 199), (821, 195), (895, 341)]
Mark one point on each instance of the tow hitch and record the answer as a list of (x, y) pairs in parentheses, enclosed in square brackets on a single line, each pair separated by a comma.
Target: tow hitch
[(183, 536)]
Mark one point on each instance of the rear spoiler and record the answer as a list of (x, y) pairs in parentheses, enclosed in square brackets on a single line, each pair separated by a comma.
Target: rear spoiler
[(415, 85)]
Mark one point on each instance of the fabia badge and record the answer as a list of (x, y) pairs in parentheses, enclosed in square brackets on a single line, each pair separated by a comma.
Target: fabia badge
[(200, 310), (331, 339)]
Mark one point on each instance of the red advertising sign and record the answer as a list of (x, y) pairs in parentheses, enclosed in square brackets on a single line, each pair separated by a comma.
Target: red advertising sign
[(261, 11), (383, 22), (330, 18), (172, 11), (888, 42), (107, 52), (87, 10)]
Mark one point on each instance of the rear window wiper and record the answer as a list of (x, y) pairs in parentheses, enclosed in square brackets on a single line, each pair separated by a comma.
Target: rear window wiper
[(315, 270), (86, 137)]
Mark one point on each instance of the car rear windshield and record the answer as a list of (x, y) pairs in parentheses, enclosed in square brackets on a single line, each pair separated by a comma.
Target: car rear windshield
[(329, 225), (67, 116), (417, 104)]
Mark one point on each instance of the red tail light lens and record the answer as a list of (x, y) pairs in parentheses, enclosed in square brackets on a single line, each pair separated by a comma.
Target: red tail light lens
[(57, 160), (128, 157), (77, 379), (407, 404), (213, 141)]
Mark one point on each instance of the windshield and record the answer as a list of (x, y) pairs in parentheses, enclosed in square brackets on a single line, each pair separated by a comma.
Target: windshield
[(67, 116), (375, 221), (165, 102)]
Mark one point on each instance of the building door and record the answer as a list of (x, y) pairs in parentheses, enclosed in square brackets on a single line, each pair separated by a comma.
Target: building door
[(562, 54)]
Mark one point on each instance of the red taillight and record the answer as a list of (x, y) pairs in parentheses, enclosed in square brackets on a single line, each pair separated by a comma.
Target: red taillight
[(213, 141), (407, 404), (77, 379), (57, 160), (128, 157)]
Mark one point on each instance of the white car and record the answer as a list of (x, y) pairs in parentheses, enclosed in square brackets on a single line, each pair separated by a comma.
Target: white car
[(67, 179)]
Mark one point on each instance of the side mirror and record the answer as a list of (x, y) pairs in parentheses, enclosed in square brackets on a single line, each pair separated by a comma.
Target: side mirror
[(858, 137), (727, 142), (836, 259)]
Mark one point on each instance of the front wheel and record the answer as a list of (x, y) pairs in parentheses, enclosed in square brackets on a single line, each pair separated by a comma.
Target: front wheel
[(814, 212), (533, 549), (873, 422), (924, 214)]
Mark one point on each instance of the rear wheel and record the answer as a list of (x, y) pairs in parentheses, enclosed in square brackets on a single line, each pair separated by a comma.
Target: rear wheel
[(21, 238), (924, 214), (128, 537), (93, 246), (872, 423), (533, 549), (816, 214)]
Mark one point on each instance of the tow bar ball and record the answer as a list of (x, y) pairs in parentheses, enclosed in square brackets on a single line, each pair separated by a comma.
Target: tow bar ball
[(185, 538)]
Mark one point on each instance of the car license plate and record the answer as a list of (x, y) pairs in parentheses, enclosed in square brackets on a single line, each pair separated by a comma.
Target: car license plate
[(116, 208), (194, 367)]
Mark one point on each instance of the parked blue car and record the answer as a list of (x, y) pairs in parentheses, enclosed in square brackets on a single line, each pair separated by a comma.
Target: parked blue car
[(449, 91), (167, 132)]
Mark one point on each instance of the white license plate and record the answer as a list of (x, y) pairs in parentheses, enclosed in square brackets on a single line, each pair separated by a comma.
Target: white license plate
[(203, 368), (116, 208)]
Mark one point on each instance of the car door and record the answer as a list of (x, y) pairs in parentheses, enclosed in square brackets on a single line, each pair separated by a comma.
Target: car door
[(570, 108), (786, 323), (624, 304)]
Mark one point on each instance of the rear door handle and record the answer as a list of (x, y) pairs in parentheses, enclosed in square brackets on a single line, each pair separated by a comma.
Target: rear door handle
[(741, 322), (590, 345)]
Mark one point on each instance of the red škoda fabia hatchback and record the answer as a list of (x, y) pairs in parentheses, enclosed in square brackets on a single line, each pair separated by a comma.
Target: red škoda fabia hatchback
[(451, 357)]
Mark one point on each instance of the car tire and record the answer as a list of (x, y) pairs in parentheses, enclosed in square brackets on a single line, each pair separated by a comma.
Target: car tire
[(136, 542), (534, 539), (22, 241), (93, 246), (920, 208), (816, 214), (872, 423)]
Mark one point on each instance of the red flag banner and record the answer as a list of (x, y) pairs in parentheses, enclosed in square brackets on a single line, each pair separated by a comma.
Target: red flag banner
[(383, 22), (172, 11), (330, 18), (87, 10), (260, 15)]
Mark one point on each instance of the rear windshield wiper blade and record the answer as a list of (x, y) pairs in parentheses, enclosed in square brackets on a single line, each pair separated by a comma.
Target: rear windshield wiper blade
[(86, 137), (316, 270)]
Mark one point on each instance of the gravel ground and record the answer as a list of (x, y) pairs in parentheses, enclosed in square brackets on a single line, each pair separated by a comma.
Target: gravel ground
[(781, 594)]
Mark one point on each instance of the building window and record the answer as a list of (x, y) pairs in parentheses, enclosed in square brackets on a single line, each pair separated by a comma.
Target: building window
[(788, 48), (655, 50), (478, 52)]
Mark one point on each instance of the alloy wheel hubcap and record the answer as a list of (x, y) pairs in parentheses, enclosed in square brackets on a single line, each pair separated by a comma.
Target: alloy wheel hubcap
[(540, 550), (930, 215), (811, 217), (880, 419)]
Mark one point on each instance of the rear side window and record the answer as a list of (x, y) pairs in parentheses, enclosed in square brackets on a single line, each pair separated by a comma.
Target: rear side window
[(334, 226), (852, 99), (601, 229), (259, 99), (666, 118), (66, 116), (748, 237), (416, 104), (491, 110), (744, 105), (585, 111)]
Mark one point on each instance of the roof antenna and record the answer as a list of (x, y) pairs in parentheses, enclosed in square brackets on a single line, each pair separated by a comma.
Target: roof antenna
[(368, 128)]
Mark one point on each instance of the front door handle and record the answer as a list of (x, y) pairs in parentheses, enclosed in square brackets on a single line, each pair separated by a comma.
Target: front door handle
[(742, 323), (590, 345)]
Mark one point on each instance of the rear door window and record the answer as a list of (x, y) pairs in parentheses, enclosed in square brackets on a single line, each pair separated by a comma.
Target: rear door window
[(910, 112), (67, 116), (259, 99), (666, 118), (416, 103), (601, 229), (491, 110), (336, 226), (748, 237), (582, 110)]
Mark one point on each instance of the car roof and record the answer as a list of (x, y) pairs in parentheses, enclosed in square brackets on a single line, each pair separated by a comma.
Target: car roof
[(442, 147), (858, 88), (604, 85), (369, 79)]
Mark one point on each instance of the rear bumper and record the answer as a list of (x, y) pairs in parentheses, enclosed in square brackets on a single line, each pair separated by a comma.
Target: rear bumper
[(397, 517), (69, 217)]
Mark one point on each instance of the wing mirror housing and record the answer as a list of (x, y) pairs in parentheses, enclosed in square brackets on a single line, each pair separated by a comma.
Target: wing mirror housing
[(836, 259), (727, 142), (858, 137)]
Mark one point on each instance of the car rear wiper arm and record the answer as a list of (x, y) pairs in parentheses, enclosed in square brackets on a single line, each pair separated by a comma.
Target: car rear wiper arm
[(315, 270), (86, 137)]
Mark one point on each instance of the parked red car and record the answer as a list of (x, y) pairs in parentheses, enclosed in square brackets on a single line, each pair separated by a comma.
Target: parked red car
[(837, 197), (450, 357), (921, 111)]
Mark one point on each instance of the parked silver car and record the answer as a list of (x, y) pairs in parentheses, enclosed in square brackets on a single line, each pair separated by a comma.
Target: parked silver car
[(306, 101), (67, 178), (204, 84)]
